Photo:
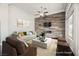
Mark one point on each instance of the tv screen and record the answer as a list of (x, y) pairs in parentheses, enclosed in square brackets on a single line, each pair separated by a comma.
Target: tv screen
[(47, 24)]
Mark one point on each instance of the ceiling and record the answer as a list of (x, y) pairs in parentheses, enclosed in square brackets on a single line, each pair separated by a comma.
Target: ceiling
[(32, 8)]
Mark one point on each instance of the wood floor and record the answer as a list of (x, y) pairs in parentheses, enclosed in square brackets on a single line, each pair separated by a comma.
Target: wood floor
[(64, 51)]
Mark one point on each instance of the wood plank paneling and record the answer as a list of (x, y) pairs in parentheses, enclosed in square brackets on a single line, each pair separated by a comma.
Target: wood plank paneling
[(58, 24)]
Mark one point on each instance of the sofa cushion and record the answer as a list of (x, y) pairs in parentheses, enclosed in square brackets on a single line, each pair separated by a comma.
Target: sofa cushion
[(18, 45)]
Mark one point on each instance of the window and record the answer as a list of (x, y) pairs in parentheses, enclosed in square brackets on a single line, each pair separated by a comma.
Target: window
[(70, 27)]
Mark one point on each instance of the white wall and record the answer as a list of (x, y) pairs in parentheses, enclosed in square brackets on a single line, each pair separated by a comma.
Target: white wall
[(4, 20), (16, 13), (74, 43), (76, 27), (9, 14)]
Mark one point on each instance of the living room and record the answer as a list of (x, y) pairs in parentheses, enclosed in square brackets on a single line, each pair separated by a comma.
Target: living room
[(29, 22)]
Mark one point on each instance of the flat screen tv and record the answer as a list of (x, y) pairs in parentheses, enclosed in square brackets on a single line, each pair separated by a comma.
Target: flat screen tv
[(47, 24)]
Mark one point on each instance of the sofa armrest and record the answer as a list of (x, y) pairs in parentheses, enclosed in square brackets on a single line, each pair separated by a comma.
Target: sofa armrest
[(8, 50)]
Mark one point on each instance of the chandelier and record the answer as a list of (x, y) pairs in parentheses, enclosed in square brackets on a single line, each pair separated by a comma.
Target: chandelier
[(42, 12)]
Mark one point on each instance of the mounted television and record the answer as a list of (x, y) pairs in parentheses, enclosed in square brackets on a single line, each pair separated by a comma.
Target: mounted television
[(47, 24)]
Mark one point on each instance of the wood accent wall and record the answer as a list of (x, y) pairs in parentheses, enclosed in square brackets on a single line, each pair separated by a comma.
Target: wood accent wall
[(58, 24)]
